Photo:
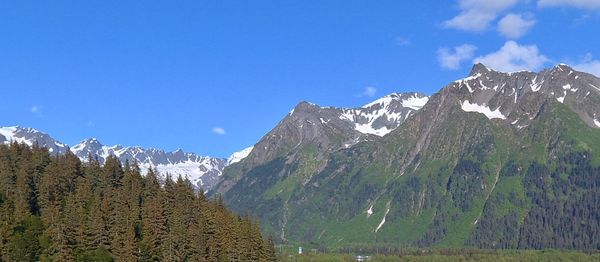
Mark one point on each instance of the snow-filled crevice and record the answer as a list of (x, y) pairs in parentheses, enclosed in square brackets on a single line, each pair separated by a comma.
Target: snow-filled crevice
[(489, 113)]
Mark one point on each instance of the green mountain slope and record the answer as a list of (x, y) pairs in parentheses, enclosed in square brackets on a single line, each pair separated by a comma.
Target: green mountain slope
[(448, 177)]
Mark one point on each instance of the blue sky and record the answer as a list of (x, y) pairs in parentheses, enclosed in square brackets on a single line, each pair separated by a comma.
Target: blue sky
[(213, 77)]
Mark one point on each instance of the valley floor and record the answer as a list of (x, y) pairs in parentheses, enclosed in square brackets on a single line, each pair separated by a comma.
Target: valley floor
[(456, 255)]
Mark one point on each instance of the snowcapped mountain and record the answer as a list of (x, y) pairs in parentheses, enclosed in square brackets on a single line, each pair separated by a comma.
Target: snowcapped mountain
[(310, 133), (31, 137), (515, 97), (201, 170), (385, 114), (523, 141), (238, 156), (328, 125), (335, 128)]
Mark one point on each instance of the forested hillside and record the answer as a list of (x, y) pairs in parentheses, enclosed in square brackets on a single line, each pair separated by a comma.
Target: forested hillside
[(56, 208), (494, 160)]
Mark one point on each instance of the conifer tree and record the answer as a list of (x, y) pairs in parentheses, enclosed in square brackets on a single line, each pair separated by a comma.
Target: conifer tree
[(154, 222), (53, 208)]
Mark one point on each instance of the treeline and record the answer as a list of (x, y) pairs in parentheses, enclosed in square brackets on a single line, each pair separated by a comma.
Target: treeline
[(56, 208)]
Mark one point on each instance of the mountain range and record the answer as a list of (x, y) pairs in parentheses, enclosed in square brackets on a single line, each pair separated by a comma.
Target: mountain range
[(377, 118), (494, 160), (203, 171)]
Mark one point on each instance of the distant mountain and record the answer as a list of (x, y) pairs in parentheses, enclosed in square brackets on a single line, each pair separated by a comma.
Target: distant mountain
[(238, 156), (385, 114), (376, 118), (31, 137), (494, 160), (203, 171)]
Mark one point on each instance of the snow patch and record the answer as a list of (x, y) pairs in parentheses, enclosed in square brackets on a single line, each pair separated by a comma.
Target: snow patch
[(385, 108), (368, 129), (414, 102), (491, 114), (386, 100), (465, 81), (382, 220), (370, 211), (238, 156), (536, 87), (354, 142), (10, 134), (596, 122), (562, 99)]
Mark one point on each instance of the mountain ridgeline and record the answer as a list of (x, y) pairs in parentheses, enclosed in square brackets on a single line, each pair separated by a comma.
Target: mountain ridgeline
[(203, 171), (56, 208), (495, 160)]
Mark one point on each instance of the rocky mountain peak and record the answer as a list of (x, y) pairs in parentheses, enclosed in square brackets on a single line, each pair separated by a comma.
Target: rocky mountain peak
[(479, 69), (518, 96), (303, 108), (31, 137)]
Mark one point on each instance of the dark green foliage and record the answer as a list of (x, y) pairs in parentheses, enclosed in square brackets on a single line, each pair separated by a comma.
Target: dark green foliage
[(99, 254), (465, 183), (566, 212), (54, 208)]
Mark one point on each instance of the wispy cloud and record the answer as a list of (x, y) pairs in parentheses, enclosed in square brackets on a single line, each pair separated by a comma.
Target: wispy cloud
[(514, 57), (218, 130), (369, 91), (402, 41), (583, 4), (589, 65), (36, 110), (89, 123), (451, 59), (514, 26), (476, 15)]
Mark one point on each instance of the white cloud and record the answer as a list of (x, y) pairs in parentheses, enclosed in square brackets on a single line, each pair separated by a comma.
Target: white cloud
[(218, 130), (514, 57), (369, 91), (476, 15), (34, 109), (584, 4), (451, 59), (402, 41), (514, 25), (589, 65)]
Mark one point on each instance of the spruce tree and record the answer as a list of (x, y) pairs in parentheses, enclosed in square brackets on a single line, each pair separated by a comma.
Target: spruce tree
[(154, 221), (53, 208)]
